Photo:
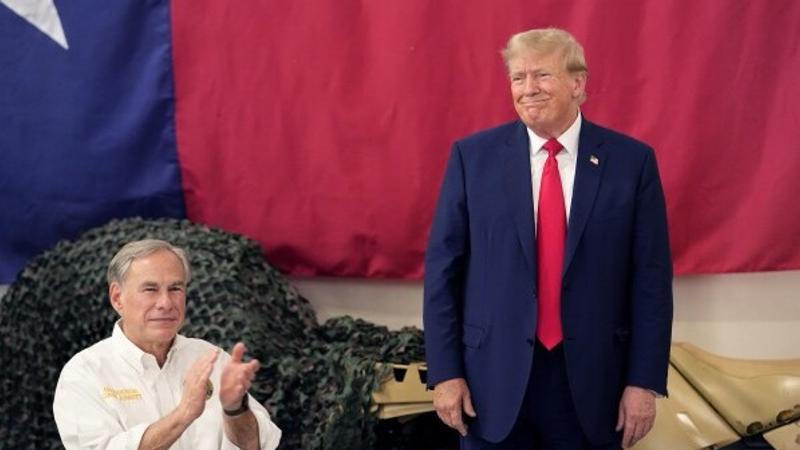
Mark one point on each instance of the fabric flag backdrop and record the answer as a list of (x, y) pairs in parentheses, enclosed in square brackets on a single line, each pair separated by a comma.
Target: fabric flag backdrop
[(322, 128)]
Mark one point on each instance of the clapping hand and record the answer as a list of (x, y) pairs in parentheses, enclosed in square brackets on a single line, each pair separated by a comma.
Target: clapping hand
[(237, 377)]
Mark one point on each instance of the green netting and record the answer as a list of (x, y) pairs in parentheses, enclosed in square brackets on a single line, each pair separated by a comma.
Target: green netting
[(316, 380)]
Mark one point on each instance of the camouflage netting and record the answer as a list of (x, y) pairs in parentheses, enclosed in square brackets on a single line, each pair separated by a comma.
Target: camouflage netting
[(316, 380)]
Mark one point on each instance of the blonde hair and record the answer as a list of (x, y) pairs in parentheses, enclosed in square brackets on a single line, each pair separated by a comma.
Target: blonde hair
[(121, 262), (547, 41)]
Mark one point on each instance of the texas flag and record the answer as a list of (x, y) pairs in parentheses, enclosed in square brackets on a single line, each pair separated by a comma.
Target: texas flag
[(321, 128), (87, 120)]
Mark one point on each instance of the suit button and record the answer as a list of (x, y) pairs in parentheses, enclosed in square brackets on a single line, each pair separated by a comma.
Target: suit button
[(530, 341)]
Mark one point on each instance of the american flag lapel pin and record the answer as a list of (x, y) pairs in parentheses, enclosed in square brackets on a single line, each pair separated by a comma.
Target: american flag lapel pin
[(594, 160)]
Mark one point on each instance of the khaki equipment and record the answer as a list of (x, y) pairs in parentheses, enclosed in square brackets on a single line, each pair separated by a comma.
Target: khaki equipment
[(713, 401)]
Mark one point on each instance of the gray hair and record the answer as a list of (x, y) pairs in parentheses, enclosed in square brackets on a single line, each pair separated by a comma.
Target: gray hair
[(546, 41), (121, 262)]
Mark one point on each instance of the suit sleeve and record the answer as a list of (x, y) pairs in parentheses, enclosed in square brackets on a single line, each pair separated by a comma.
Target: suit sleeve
[(651, 308), (445, 266)]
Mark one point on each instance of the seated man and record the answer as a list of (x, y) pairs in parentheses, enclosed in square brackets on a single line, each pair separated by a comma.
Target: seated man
[(148, 387)]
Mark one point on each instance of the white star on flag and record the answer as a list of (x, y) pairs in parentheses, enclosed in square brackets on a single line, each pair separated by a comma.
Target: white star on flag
[(43, 15)]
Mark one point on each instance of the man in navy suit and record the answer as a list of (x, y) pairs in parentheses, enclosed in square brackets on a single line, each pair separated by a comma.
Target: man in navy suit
[(548, 281)]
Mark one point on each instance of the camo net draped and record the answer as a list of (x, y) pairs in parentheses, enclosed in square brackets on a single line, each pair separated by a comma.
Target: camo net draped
[(316, 380)]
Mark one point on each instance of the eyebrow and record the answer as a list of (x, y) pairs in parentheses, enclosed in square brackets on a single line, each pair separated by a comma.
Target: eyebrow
[(149, 284), (524, 71)]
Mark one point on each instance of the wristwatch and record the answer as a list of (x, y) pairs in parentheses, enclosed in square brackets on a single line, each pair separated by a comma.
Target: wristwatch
[(240, 410)]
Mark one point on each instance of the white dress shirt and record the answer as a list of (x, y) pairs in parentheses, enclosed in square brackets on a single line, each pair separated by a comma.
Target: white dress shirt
[(108, 394), (566, 164)]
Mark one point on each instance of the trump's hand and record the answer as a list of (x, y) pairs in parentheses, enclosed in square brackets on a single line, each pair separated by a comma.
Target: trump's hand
[(237, 376), (452, 400), (195, 386), (637, 413)]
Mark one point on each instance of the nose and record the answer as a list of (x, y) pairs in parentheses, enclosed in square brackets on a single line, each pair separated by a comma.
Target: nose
[(531, 85), (163, 301)]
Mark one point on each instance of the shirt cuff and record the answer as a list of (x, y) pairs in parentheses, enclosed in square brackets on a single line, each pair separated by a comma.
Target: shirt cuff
[(269, 435)]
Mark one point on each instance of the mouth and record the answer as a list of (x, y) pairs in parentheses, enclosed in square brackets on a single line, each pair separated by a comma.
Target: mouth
[(164, 320), (538, 102)]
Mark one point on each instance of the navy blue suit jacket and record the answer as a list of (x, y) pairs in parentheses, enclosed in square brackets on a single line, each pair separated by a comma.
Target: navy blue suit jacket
[(480, 277)]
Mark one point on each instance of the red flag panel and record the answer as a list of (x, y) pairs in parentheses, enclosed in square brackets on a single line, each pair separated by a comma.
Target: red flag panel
[(322, 128)]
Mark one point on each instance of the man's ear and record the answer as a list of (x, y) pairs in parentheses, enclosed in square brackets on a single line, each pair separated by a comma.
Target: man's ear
[(115, 294), (579, 87)]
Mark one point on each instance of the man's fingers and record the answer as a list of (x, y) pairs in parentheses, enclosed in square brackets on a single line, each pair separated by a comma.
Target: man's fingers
[(443, 418), (209, 360), (237, 352), (635, 430), (457, 421), (468, 408), (212, 356), (637, 413), (620, 418), (641, 430), (451, 399), (629, 435), (203, 373), (449, 414), (250, 369), (246, 372), (208, 368), (452, 416)]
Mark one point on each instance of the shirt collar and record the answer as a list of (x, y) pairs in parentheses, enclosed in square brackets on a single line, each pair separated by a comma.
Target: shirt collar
[(136, 357), (568, 139)]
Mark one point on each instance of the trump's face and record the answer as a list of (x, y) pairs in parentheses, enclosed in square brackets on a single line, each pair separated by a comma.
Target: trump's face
[(546, 96), (151, 300)]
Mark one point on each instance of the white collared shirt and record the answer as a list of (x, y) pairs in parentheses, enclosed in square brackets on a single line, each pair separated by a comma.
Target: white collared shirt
[(108, 394), (566, 164)]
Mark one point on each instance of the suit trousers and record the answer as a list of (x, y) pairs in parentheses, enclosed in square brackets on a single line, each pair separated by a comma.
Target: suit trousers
[(547, 418)]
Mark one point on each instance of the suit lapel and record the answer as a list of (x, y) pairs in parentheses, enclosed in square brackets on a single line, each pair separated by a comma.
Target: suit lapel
[(518, 186), (588, 172)]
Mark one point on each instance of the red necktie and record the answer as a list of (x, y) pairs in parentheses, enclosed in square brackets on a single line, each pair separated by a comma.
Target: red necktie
[(551, 237)]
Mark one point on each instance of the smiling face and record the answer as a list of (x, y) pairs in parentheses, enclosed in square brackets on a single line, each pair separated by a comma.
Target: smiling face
[(151, 300), (546, 96)]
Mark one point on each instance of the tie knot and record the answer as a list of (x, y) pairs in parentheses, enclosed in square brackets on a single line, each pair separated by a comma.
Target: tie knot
[(553, 147)]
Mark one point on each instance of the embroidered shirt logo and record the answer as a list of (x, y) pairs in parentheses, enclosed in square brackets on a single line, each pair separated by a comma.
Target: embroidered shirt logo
[(122, 394)]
